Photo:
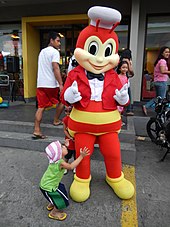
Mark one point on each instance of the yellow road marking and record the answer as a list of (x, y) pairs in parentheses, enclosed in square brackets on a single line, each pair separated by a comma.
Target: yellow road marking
[(129, 216)]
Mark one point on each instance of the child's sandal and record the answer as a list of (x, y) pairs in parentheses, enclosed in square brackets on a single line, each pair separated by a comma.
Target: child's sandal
[(49, 208), (58, 218)]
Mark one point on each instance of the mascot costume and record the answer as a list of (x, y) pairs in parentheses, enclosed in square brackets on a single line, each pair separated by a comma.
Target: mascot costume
[(94, 90)]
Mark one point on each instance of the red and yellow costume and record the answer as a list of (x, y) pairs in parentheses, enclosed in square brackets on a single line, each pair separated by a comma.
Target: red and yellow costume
[(96, 121)]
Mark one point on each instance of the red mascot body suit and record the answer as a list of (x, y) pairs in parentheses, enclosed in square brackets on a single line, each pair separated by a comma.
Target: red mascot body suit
[(94, 90)]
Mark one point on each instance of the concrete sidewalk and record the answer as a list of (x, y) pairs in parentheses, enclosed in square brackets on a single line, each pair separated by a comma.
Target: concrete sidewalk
[(19, 111), (17, 125), (22, 203)]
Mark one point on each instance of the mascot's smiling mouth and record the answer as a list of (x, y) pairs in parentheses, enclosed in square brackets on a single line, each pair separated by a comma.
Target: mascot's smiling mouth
[(97, 67)]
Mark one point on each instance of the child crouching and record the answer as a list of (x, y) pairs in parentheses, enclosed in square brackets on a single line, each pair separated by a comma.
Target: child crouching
[(50, 184)]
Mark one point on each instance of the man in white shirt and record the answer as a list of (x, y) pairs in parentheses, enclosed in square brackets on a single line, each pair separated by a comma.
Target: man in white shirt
[(49, 83)]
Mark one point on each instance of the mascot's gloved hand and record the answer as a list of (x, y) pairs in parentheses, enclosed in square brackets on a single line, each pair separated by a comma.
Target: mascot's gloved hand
[(72, 94), (121, 96)]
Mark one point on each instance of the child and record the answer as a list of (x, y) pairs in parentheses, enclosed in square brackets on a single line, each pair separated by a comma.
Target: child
[(71, 147), (122, 70), (126, 55), (50, 185)]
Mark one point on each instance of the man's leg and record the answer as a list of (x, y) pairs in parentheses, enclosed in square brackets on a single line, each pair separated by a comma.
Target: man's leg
[(59, 110), (38, 118)]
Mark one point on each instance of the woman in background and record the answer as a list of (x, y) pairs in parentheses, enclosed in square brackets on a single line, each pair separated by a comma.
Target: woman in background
[(161, 74)]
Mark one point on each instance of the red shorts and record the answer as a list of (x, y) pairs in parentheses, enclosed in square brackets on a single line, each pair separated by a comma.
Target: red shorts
[(47, 97)]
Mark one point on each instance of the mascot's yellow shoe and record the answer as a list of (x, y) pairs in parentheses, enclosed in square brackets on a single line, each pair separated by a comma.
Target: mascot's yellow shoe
[(80, 189), (123, 188)]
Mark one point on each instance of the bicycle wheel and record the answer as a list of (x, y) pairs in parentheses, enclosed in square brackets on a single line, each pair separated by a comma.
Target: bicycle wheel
[(153, 129)]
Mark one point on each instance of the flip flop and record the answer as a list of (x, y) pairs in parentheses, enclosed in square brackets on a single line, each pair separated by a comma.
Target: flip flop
[(58, 123), (37, 137), (49, 208), (57, 218)]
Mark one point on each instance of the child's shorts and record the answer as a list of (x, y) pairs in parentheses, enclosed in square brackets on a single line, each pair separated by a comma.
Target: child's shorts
[(58, 198)]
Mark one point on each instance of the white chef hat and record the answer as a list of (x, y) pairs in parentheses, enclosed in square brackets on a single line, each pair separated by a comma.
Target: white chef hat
[(54, 151), (104, 17)]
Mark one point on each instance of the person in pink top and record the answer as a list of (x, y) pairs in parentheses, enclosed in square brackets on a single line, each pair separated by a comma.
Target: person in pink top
[(161, 74), (122, 70)]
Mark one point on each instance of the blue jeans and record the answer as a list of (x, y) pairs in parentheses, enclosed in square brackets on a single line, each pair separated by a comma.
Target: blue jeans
[(129, 108), (151, 103), (160, 88)]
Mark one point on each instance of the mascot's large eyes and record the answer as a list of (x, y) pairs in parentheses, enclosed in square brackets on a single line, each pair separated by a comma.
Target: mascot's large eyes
[(93, 48), (108, 50)]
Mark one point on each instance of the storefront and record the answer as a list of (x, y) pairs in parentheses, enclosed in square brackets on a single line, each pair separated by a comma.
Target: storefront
[(143, 29), (37, 28)]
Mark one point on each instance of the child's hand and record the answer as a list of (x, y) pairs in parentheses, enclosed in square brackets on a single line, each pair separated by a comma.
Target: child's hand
[(84, 152)]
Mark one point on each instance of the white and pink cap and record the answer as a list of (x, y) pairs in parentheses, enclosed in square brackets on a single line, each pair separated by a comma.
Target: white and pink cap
[(104, 17), (54, 151)]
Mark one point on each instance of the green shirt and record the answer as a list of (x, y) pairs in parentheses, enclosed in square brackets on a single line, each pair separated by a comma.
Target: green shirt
[(52, 177)]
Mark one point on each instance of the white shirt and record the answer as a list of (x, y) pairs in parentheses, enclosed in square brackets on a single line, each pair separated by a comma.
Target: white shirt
[(96, 89), (70, 66), (46, 76)]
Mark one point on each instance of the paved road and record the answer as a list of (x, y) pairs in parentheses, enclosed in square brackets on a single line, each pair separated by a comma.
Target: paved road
[(22, 205), (152, 186)]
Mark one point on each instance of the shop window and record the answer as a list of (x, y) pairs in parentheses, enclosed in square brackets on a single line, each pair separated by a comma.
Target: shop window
[(11, 44), (11, 49), (157, 35), (122, 31)]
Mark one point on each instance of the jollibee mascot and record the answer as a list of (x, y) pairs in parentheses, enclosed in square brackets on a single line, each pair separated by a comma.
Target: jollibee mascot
[(94, 90)]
